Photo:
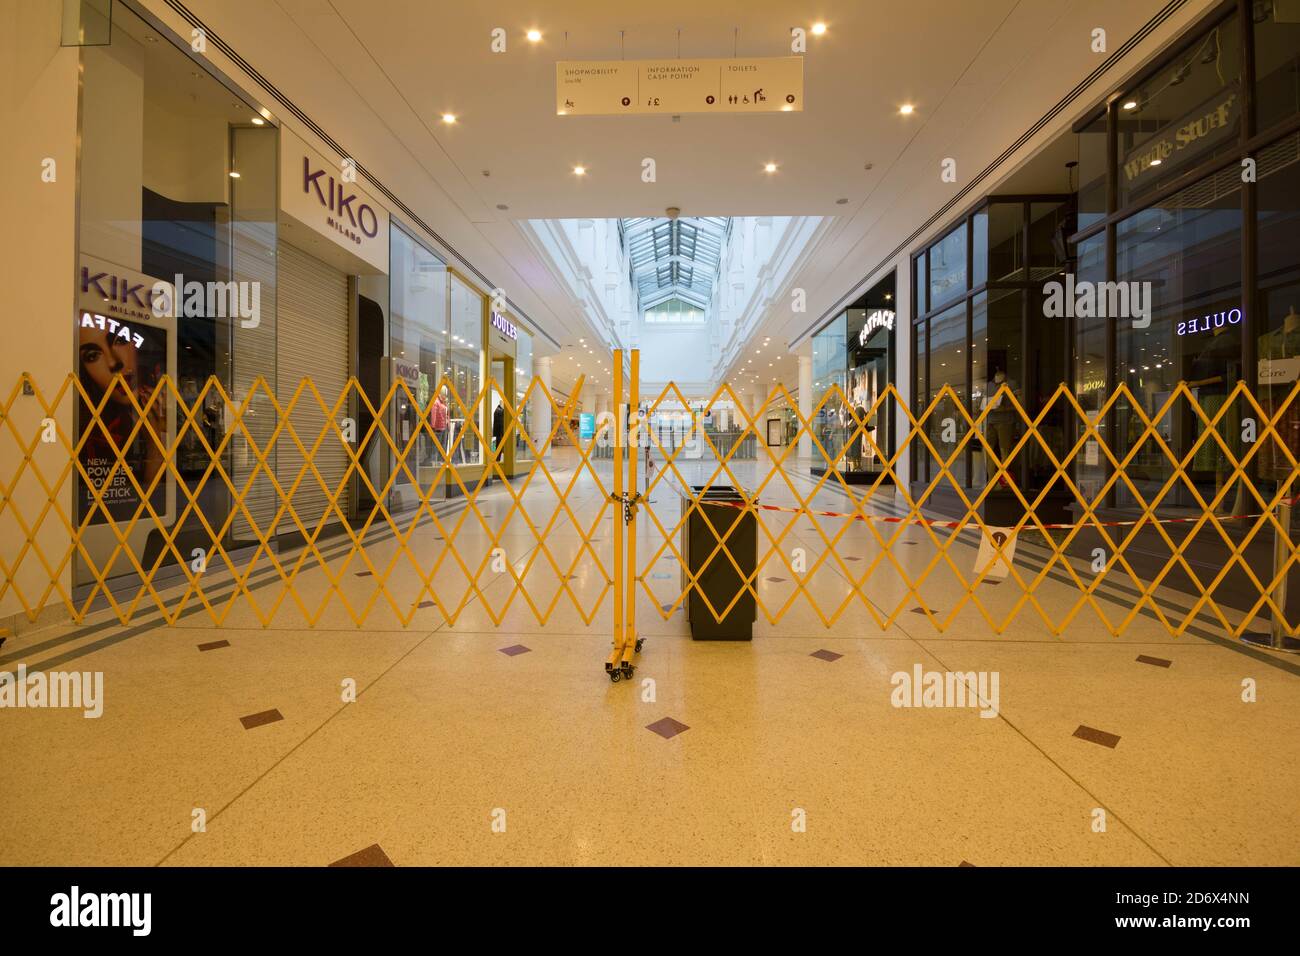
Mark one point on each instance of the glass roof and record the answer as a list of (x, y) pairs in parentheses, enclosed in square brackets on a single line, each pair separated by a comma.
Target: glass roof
[(674, 258)]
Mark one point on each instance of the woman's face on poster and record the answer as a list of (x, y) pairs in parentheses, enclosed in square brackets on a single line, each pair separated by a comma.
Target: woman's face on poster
[(103, 355)]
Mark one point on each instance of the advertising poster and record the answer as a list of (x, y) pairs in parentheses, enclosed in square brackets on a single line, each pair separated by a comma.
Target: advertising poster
[(586, 426), (124, 326), (106, 348)]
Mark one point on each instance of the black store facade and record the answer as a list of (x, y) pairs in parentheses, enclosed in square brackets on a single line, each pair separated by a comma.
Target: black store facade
[(855, 353), (1189, 187)]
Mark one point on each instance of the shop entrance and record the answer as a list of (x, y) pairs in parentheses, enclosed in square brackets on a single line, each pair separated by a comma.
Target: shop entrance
[(501, 372)]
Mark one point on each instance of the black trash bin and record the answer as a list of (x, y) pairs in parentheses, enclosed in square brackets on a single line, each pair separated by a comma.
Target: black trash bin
[(717, 576)]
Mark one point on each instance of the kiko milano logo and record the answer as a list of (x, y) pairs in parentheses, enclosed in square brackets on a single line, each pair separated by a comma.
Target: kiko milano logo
[(347, 214)]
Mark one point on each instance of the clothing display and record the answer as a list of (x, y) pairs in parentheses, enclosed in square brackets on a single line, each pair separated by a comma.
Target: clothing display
[(1280, 344)]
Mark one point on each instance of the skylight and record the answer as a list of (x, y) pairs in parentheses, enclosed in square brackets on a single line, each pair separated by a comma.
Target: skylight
[(674, 258)]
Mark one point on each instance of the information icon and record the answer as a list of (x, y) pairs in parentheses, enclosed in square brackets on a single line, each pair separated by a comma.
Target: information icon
[(789, 97), (627, 101), (709, 99)]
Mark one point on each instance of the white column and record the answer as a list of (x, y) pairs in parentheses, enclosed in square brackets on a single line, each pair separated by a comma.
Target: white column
[(541, 413), (805, 401)]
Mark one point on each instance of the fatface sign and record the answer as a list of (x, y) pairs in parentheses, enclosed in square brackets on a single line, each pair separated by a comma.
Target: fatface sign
[(315, 192), (1184, 139), (879, 319), (616, 87)]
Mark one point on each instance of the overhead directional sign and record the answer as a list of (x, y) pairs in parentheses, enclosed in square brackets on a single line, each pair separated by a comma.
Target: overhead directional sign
[(610, 87)]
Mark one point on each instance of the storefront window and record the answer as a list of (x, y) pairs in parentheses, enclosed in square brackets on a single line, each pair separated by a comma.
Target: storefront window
[(1006, 242), (161, 142), (920, 306), (1185, 254), (523, 379), (947, 425), (1188, 112), (418, 325), (996, 360), (464, 357), (830, 364), (1090, 367), (948, 267), (1277, 329), (1092, 172), (1277, 63), (1046, 240)]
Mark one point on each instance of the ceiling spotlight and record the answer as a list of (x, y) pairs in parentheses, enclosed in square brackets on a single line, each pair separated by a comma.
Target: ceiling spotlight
[(449, 118), (258, 121), (234, 174), (906, 109), (818, 28), (769, 168), (1130, 104), (1157, 161), (579, 170), (534, 36)]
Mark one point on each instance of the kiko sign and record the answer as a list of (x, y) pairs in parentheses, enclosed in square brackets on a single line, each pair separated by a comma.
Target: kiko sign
[(314, 192)]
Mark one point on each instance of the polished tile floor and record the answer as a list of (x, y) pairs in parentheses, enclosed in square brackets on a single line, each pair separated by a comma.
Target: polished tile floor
[(496, 739)]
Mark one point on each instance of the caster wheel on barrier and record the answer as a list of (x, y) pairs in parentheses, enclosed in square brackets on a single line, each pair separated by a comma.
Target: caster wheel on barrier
[(639, 641), (627, 671), (614, 676)]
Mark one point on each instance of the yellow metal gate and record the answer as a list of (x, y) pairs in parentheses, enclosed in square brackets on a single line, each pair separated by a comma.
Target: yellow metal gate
[(1060, 505)]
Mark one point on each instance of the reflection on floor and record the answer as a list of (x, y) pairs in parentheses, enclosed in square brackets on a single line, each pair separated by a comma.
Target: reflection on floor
[(474, 742)]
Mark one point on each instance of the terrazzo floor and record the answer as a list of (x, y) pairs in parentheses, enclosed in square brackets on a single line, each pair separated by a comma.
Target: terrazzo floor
[(497, 739)]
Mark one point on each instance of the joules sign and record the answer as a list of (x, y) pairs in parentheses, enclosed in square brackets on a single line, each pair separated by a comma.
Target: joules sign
[(324, 196), (1210, 323), (503, 325)]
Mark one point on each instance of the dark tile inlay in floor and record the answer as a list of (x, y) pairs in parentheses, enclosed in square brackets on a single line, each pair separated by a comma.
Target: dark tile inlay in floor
[(666, 727), (213, 645), (426, 604), (363, 574), (372, 855), (825, 655), (964, 863), (1157, 661), (849, 557), (257, 720), (1092, 735), (514, 650), (777, 580), (921, 610)]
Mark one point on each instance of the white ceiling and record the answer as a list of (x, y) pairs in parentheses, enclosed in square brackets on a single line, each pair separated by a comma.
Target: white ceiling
[(378, 75)]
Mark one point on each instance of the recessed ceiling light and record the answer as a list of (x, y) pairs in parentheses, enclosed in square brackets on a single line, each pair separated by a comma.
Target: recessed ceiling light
[(579, 170), (1131, 104), (449, 118), (906, 109), (769, 168), (818, 28), (258, 121), (233, 174), (534, 36), (1157, 161)]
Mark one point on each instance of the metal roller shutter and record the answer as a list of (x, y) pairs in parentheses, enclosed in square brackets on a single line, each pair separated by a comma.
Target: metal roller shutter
[(312, 342)]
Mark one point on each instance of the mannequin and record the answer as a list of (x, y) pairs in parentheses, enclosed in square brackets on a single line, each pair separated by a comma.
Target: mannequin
[(1000, 422), (1282, 343), (439, 419)]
